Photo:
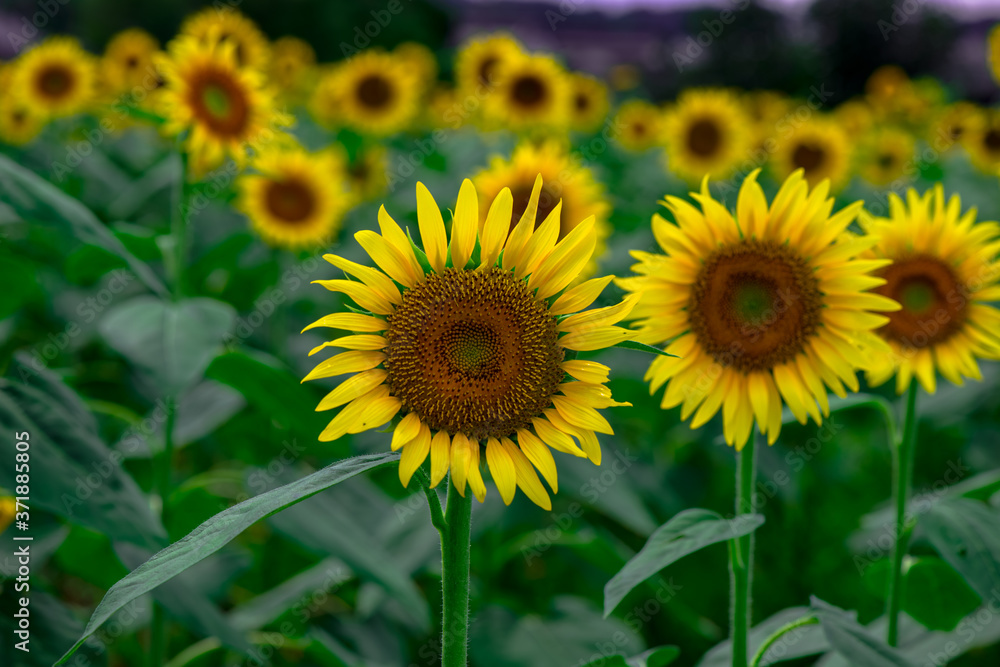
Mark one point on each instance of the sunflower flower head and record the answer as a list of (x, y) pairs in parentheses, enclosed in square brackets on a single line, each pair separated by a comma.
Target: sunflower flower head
[(293, 199), (766, 307), (128, 61), (819, 148), (944, 272), (215, 25), (374, 92), (886, 155), (55, 78), (225, 109), (638, 125), (707, 132), (531, 92), (466, 344)]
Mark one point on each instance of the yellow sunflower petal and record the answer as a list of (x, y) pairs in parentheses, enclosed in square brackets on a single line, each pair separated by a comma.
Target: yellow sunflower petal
[(350, 322), (414, 454), (440, 456), (432, 233), (464, 225), (579, 297), (502, 468), (496, 228), (406, 430), (540, 456), (352, 387), (525, 475), (346, 362)]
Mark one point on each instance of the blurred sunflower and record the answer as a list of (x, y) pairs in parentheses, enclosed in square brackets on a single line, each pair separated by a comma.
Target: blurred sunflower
[(293, 63), (420, 61), (226, 108), (565, 183), (367, 174), (55, 78), (462, 347), (531, 91), (983, 142), (765, 108), (588, 107), (128, 61), (376, 93), (764, 308), (886, 86), (292, 200), (637, 125), (953, 123), (854, 117), (212, 25), (477, 61), (886, 155), (706, 132), (944, 273), (820, 148), (8, 510), (324, 102), (19, 124)]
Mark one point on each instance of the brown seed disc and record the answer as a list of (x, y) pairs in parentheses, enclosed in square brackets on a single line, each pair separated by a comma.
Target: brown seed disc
[(934, 301)]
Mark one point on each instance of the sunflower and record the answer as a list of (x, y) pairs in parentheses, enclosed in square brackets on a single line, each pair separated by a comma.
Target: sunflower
[(953, 124), (477, 61), (128, 60), (765, 108), (820, 148), (707, 132), (531, 91), (944, 273), (293, 62), (213, 25), (854, 117), (566, 183), (638, 125), (762, 308), (588, 102), (19, 124), (291, 201), (8, 510), (55, 78), (226, 108), (983, 142), (886, 155), (376, 93), (886, 85), (466, 345)]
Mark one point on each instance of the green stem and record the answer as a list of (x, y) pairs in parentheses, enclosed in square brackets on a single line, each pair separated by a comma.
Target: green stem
[(456, 537), (741, 554), (433, 501), (902, 487), (778, 634)]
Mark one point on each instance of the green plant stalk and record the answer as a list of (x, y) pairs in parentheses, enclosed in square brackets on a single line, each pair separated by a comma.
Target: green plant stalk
[(778, 634), (164, 464), (741, 554), (456, 542), (902, 488)]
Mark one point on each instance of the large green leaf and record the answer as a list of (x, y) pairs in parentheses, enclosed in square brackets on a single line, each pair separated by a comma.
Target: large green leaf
[(685, 533), (967, 534), (73, 474), (852, 640), (218, 531), (934, 594), (175, 342), (36, 199)]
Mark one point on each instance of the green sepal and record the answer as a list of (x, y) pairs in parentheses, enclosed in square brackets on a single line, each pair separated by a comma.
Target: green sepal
[(642, 347)]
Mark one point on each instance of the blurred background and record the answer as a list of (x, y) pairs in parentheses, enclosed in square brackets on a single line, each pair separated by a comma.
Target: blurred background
[(352, 576)]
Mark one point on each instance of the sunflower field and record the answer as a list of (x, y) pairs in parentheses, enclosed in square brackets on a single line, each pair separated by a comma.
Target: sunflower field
[(402, 333)]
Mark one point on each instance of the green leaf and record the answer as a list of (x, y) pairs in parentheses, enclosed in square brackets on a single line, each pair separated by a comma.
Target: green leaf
[(218, 531), (174, 342), (967, 535), (852, 640), (685, 533), (935, 595), (73, 473), (642, 347), (36, 199)]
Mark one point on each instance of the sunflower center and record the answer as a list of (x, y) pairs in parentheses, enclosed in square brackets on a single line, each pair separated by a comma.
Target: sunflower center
[(704, 138), (374, 92), (754, 304), (220, 103), (992, 140), (55, 81), (528, 91), (132, 62), (547, 201), (581, 102), (473, 352), (886, 160), (933, 301), (290, 200), (808, 157)]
